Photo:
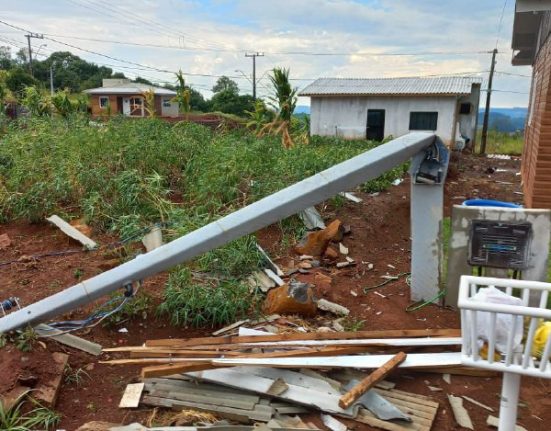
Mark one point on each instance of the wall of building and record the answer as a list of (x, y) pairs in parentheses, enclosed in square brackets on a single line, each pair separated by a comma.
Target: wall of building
[(171, 111), (347, 116), (536, 157), (468, 123), (97, 111)]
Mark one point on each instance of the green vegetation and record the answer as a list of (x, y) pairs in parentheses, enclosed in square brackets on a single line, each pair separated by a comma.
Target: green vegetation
[(75, 376), (502, 142), (192, 304), (38, 418), (121, 175)]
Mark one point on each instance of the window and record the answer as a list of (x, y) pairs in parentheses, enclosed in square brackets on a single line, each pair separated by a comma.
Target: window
[(136, 106), (423, 120), (103, 102), (166, 102), (465, 108)]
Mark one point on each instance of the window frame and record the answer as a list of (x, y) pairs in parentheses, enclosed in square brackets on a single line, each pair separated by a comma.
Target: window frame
[(102, 98), (167, 102), (412, 113)]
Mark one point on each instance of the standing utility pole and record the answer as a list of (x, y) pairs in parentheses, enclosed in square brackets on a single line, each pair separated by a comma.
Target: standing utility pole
[(487, 109), (254, 55), (28, 36)]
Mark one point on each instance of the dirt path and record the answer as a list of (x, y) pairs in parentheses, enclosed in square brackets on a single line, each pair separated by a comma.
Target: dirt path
[(380, 235)]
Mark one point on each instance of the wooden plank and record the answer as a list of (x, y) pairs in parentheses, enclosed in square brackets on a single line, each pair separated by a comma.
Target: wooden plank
[(460, 413), (459, 371), (394, 333), (166, 370), (70, 340), (132, 395), (72, 232), (367, 383), (414, 360)]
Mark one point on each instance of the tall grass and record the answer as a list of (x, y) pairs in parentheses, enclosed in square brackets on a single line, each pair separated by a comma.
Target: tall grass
[(124, 175), (502, 142)]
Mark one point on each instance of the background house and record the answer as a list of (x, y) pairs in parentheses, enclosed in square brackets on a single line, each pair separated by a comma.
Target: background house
[(377, 108), (122, 96), (532, 46)]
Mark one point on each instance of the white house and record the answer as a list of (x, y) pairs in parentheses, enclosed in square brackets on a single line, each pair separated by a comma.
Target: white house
[(378, 108)]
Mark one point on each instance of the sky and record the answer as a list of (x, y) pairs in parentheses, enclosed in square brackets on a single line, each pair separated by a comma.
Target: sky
[(313, 38)]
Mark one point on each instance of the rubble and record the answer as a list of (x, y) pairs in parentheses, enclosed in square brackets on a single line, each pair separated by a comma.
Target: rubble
[(316, 243), (459, 412), (292, 298), (72, 232), (331, 307)]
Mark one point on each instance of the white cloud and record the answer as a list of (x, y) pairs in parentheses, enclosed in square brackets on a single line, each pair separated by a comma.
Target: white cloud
[(282, 26)]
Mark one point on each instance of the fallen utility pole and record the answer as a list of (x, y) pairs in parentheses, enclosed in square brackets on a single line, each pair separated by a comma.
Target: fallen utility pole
[(249, 219)]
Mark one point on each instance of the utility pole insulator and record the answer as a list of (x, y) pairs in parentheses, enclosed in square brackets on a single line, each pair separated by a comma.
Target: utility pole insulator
[(254, 55), (29, 36), (487, 109)]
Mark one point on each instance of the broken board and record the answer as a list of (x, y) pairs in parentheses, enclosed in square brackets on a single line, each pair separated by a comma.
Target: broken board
[(132, 395), (74, 233)]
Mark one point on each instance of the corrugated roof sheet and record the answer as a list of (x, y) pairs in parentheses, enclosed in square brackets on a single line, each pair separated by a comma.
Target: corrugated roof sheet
[(452, 85), (131, 89)]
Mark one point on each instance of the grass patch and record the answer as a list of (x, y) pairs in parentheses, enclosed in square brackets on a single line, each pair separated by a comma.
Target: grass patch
[(122, 175), (502, 142), (38, 418), (192, 304)]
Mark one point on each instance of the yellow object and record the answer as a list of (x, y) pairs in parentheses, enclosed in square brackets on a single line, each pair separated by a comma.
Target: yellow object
[(543, 332), (484, 353)]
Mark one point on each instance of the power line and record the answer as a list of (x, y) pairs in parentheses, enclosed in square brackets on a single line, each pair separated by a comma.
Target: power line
[(500, 22), (512, 74)]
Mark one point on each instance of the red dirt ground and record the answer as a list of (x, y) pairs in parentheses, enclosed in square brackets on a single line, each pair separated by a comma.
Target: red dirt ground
[(380, 235)]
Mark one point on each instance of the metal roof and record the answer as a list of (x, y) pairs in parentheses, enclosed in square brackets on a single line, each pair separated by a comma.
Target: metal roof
[(450, 85), (131, 88)]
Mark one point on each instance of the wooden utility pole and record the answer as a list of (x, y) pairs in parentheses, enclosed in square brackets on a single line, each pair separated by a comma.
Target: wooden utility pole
[(29, 36), (487, 109), (254, 55)]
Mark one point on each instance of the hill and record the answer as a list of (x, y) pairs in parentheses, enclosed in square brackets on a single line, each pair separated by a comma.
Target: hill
[(505, 119)]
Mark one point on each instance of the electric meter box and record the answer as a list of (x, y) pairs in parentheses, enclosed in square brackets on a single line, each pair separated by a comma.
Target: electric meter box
[(500, 244)]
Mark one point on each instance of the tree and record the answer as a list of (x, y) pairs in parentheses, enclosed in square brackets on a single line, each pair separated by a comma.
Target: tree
[(18, 80), (225, 84), (183, 94), (6, 61), (284, 101), (232, 103)]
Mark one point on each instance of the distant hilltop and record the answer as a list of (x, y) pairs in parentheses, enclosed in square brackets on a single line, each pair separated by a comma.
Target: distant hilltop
[(505, 119)]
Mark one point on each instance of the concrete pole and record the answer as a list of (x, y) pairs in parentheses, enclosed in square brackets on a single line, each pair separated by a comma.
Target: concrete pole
[(508, 405)]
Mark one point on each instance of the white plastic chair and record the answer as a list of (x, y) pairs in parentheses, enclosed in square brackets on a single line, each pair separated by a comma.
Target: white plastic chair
[(515, 361)]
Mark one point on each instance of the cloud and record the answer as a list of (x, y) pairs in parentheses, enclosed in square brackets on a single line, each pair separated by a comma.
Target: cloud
[(276, 27)]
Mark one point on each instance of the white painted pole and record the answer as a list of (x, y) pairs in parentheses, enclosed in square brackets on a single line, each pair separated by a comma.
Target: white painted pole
[(509, 402)]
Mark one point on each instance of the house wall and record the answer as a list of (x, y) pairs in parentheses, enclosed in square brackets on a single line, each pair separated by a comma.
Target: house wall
[(171, 111), (159, 109), (468, 122), (97, 111), (536, 157), (346, 116)]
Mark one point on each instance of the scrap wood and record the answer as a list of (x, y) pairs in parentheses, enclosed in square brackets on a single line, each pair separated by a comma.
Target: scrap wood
[(460, 370), (70, 340), (393, 333), (459, 412), (339, 310), (414, 360), (320, 395), (270, 262), (477, 403), (351, 197), (71, 231), (132, 395), (332, 423), (370, 381)]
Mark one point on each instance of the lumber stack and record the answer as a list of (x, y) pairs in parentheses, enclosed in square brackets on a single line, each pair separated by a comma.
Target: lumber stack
[(165, 357)]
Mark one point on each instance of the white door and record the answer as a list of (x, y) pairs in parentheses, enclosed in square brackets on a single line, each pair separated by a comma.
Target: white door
[(126, 106)]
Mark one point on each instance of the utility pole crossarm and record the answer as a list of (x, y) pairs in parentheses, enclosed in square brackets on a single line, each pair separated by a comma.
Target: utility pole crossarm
[(29, 36), (253, 56)]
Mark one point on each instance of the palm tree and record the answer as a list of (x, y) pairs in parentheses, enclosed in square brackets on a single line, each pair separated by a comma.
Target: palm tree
[(183, 94), (284, 101)]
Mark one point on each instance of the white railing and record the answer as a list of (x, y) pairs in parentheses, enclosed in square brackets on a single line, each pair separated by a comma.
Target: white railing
[(498, 334)]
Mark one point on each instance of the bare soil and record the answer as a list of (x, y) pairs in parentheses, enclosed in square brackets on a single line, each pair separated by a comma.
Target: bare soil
[(380, 235)]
